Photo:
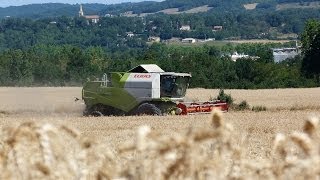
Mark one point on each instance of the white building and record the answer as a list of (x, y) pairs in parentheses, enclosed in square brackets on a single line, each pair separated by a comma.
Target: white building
[(154, 39), (235, 56), (217, 28), (185, 28), (282, 54), (188, 40), (108, 15), (130, 34)]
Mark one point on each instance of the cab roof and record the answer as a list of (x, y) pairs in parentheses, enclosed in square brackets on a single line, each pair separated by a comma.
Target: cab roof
[(147, 68), (153, 68)]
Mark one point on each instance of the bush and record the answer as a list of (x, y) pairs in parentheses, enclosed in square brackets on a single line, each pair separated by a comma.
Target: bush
[(259, 108), (225, 97), (229, 100), (242, 106)]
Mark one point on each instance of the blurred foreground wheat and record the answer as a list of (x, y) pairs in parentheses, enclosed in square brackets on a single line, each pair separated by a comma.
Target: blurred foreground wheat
[(43, 151)]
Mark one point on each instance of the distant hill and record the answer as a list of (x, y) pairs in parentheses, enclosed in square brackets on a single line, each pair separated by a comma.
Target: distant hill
[(150, 7), (48, 10), (178, 6)]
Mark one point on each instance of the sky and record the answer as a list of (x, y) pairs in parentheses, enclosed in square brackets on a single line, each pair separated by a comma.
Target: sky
[(6, 3)]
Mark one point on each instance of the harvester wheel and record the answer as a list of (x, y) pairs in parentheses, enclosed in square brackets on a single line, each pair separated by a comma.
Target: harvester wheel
[(148, 109), (96, 114), (96, 110)]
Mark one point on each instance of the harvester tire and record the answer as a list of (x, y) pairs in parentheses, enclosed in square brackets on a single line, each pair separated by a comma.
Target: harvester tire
[(148, 109), (95, 110), (96, 114)]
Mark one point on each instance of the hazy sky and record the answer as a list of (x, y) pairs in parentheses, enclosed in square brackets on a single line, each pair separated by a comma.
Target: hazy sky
[(6, 3)]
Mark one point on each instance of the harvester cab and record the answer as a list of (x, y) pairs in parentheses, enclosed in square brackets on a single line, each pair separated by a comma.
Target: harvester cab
[(145, 89)]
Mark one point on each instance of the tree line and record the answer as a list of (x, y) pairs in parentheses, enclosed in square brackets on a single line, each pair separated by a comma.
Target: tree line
[(65, 65)]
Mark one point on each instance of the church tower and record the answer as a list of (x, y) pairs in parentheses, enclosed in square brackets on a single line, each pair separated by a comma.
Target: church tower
[(81, 11)]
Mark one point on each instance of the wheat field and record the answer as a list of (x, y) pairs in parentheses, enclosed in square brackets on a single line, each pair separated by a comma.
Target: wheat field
[(44, 136)]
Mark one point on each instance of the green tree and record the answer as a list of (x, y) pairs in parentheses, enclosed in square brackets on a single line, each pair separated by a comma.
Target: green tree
[(311, 50), (20, 68), (245, 69)]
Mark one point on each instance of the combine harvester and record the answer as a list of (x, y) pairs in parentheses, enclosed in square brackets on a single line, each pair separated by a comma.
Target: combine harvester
[(145, 89)]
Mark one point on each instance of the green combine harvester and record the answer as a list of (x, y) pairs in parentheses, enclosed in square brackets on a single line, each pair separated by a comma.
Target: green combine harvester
[(143, 90)]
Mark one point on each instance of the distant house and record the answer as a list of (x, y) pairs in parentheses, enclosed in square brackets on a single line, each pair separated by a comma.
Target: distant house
[(185, 28), (188, 40), (130, 34), (109, 15), (281, 54), (90, 18), (207, 40), (93, 18), (235, 56), (217, 28), (154, 39)]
